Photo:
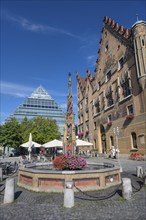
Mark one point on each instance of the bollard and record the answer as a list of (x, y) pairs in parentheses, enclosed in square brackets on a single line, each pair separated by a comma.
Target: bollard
[(9, 191), (1, 174), (126, 188), (139, 171), (68, 195)]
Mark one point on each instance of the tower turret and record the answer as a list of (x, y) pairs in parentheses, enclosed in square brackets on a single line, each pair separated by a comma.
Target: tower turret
[(139, 38)]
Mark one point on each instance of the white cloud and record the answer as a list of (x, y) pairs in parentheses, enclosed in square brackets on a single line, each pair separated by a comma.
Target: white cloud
[(91, 60), (20, 91), (33, 27), (15, 90)]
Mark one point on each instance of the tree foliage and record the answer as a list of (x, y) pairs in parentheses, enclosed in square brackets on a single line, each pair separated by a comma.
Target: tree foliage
[(10, 134), (13, 133)]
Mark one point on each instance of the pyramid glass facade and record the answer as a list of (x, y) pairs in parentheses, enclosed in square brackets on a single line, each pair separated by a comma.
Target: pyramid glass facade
[(40, 103)]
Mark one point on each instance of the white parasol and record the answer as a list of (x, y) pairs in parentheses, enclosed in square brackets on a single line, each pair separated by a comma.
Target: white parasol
[(54, 143), (30, 146), (83, 143)]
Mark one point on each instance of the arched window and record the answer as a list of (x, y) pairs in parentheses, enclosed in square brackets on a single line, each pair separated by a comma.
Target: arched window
[(134, 140)]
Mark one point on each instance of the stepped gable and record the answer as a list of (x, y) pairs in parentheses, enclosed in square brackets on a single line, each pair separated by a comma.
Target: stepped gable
[(118, 31), (125, 32), (90, 77), (82, 82)]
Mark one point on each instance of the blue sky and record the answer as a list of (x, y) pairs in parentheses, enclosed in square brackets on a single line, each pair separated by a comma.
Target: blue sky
[(42, 41)]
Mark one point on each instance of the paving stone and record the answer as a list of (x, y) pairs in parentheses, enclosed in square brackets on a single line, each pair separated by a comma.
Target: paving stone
[(49, 206)]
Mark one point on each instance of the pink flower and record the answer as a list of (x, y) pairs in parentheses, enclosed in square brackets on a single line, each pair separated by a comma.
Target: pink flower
[(69, 162)]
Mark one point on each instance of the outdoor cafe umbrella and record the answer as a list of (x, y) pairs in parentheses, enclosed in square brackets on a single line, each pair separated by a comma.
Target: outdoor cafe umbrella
[(53, 143), (80, 142), (57, 143), (30, 146), (34, 144)]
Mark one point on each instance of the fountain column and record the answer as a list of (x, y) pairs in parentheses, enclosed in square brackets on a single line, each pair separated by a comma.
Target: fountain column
[(69, 129)]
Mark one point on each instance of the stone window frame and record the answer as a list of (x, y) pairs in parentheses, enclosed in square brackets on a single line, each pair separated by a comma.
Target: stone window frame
[(92, 103), (130, 109), (106, 47), (97, 106), (109, 96), (120, 63), (116, 90), (95, 125), (102, 100), (125, 83), (134, 145), (108, 75), (109, 118), (98, 85)]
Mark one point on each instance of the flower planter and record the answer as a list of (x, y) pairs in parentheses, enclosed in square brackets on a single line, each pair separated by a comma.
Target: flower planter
[(87, 132), (66, 162), (130, 116), (136, 156), (109, 123), (80, 134)]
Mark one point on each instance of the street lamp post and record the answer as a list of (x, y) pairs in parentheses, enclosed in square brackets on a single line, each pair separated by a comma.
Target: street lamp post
[(116, 132)]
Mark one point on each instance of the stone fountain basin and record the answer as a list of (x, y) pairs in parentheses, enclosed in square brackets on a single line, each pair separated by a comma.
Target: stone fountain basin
[(41, 177)]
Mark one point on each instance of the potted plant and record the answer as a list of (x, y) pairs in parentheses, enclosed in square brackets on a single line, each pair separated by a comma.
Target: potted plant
[(87, 132), (130, 116), (109, 123)]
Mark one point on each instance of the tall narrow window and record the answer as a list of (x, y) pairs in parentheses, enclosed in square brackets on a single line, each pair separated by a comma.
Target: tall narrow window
[(97, 106), (95, 125), (94, 143), (142, 42), (106, 48), (130, 109), (108, 76), (111, 141), (125, 84), (121, 63), (134, 140), (102, 101), (109, 118), (99, 85), (109, 97), (116, 91)]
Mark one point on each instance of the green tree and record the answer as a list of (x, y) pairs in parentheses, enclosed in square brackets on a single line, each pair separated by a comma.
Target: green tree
[(44, 130), (10, 135), (13, 133), (25, 129)]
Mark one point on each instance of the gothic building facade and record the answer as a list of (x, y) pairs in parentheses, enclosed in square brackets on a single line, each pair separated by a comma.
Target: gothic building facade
[(111, 103)]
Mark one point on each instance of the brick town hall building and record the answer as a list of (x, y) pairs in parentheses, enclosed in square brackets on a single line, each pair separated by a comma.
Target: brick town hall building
[(112, 103)]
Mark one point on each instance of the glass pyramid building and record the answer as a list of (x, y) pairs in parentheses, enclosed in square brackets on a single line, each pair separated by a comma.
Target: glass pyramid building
[(40, 103)]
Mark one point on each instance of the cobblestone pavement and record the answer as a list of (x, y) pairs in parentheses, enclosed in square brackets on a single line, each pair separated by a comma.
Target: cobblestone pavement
[(49, 206)]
